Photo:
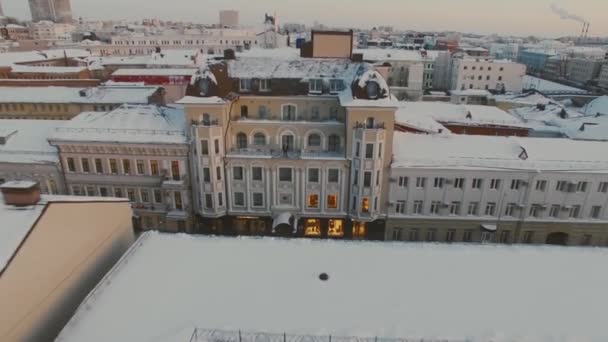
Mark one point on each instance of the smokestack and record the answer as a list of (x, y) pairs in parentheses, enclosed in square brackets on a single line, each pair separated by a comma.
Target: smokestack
[(587, 30)]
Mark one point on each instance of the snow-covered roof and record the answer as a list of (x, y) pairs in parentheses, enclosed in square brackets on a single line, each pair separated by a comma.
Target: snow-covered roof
[(395, 55), (279, 53), (109, 95), (25, 141), (492, 152), (530, 98), (10, 58), (531, 82), (419, 122), (126, 124), (18, 221), (46, 69), (471, 115), (201, 100), (300, 68), (599, 105), (415, 291), (471, 92), (154, 72), (592, 127), (170, 57)]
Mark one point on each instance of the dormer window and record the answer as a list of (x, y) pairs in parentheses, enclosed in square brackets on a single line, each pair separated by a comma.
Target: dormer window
[(372, 89), (336, 85), (245, 84), (203, 85), (264, 84), (315, 86)]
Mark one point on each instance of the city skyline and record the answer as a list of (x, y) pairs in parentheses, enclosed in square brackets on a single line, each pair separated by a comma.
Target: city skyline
[(464, 16)]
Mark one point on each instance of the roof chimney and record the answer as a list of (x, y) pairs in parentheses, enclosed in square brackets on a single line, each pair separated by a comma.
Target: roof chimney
[(20, 193), (229, 54)]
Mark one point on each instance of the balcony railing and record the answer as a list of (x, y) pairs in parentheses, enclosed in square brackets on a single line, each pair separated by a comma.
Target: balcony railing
[(275, 151), (299, 118)]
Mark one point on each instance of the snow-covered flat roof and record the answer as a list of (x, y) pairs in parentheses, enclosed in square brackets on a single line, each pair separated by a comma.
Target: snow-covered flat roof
[(10, 58), (201, 100), (126, 124), (168, 285), (16, 222), (420, 122), (25, 141), (471, 92), (531, 82), (449, 113), (294, 68), (46, 69), (109, 95), (394, 55), (509, 153), (154, 72), (597, 106)]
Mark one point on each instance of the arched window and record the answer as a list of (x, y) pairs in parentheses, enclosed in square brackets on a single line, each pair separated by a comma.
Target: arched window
[(244, 111), (369, 123), (241, 140), (259, 139), (372, 89), (288, 142), (333, 143), (314, 140), (289, 113), (206, 119)]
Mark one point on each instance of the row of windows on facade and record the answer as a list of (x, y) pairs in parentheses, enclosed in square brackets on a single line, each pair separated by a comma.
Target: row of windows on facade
[(285, 174), (124, 166), (481, 68), (257, 201), (480, 78), (511, 209), (495, 184), (287, 142), (486, 87), (414, 235), (182, 42), (315, 85), (369, 150), (135, 195), (289, 112)]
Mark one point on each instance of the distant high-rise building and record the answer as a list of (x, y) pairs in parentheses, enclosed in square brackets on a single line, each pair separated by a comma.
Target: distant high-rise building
[(1, 11), (59, 11), (229, 18)]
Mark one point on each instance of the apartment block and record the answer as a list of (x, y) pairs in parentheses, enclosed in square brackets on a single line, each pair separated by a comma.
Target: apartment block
[(486, 73)]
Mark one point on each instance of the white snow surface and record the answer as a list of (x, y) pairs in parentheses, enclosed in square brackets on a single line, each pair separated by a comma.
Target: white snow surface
[(294, 68), (201, 100), (10, 58), (166, 285), (420, 122), (492, 152), (379, 55), (27, 141), (127, 124), (109, 95), (531, 82), (46, 69), (446, 113), (155, 72), (599, 105)]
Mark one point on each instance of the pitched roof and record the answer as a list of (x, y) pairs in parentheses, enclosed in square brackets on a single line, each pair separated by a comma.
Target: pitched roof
[(101, 95), (25, 141)]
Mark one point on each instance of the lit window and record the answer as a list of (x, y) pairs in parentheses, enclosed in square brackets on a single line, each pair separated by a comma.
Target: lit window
[(332, 201), (335, 228), (359, 230), (313, 201), (312, 227), (365, 205)]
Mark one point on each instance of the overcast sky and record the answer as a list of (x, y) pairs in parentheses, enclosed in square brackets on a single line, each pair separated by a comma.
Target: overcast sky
[(518, 17)]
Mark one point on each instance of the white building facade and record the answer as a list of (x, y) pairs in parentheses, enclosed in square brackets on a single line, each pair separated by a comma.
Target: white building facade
[(486, 73)]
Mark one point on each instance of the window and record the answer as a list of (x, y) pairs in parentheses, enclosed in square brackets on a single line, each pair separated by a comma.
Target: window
[(71, 165), (315, 86), (98, 165), (113, 166), (336, 85), (333, 143), (315, 113), (313, 175), (218, 173), (354, 203), (91, 191), (204, 147), (403, 182), (358, 149), (244, 111), (369, 151), (103, 191), (430, 235), (435, 205), (449, 236), (473, 208), (396, 234), (380, 150), (603, 187), (264, 84), (289, 113), (175, 170), (140, 167), (528, 237), (237, 173), (259, 139), (216, 146), (554, 211), (206, 175), (369, 123), (541, 185), (490, 209), (459, 183), (285, 174), (332, 201), (158, 196), (477, 183), (287, 142), (145, 195), (262, 112), (438, 183), (413, 235), (206, 119), (420, 182), (220, 199), (510, 209), (126, 166), (118, 192), (596, 211), (333, 113), (561, 186), (400, 207), (495, 184), (504, 236), (575, 211), (208, 201), (581, 187), (314, 140), (586, 240), (258, 199), (417, 209), (367, 179), (356, 178), (455, 208), (467, 236), (154, 167), (245, 84), (256, 173), (313, 201), (333, 175), (239, 199), (365, 205), (535, 210), (85, 165), (131, 195), (241, 140), (500, 78), (516, 184)]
